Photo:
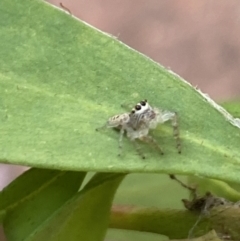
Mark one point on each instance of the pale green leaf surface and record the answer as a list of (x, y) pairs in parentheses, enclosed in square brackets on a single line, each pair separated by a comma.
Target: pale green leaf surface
[(229, 190), (233, 107), (85, 216), (60, 79), (43, 192)]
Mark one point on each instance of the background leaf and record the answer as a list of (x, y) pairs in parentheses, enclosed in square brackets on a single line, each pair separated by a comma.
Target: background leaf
[(35, 202), (85, 216), (32, 182), (60, 79)]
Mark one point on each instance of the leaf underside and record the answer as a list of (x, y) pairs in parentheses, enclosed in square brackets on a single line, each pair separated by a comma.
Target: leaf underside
[(60, 79), (45, 192)]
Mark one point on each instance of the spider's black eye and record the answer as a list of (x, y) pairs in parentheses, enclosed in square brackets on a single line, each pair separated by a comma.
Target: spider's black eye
[(133, 111), (143, 102), (138, 107)]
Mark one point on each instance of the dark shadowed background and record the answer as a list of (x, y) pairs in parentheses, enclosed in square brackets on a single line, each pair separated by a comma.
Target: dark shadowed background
[(199, 40)]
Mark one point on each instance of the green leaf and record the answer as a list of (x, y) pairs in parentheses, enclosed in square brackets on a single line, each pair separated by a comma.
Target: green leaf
[(216, 187), (85, 216), (2, 215), (32, 182), (61, 78), (233, 107), (33, 197)]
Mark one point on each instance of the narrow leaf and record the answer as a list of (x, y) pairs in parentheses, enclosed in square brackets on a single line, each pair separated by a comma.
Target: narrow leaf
[(46, 191), (85, 216)]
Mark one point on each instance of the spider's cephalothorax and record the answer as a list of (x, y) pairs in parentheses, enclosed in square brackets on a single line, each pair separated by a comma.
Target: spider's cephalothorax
[(139, 121)]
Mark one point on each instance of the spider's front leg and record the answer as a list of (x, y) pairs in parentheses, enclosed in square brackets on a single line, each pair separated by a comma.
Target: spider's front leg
[(120, 141), (173, 117), (176, 135)]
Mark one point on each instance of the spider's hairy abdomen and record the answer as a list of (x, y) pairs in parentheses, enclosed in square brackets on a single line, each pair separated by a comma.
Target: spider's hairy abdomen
[(118, 120)]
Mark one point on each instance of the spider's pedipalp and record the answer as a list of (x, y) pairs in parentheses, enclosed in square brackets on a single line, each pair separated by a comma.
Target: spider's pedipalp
[(138, 149), (150, 139)]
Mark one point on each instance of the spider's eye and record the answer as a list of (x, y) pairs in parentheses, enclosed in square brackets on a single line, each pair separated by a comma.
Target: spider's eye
[(138, 107), (143, 102), (133, 111)]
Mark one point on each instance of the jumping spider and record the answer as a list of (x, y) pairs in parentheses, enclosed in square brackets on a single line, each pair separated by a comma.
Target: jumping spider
[(139, 121)]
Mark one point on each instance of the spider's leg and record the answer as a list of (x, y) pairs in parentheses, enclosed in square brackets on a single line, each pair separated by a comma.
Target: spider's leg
[(120, 141), (168, 115), (151, 140), (107, 125), (101, 127), (138, 149), (176, 132)]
